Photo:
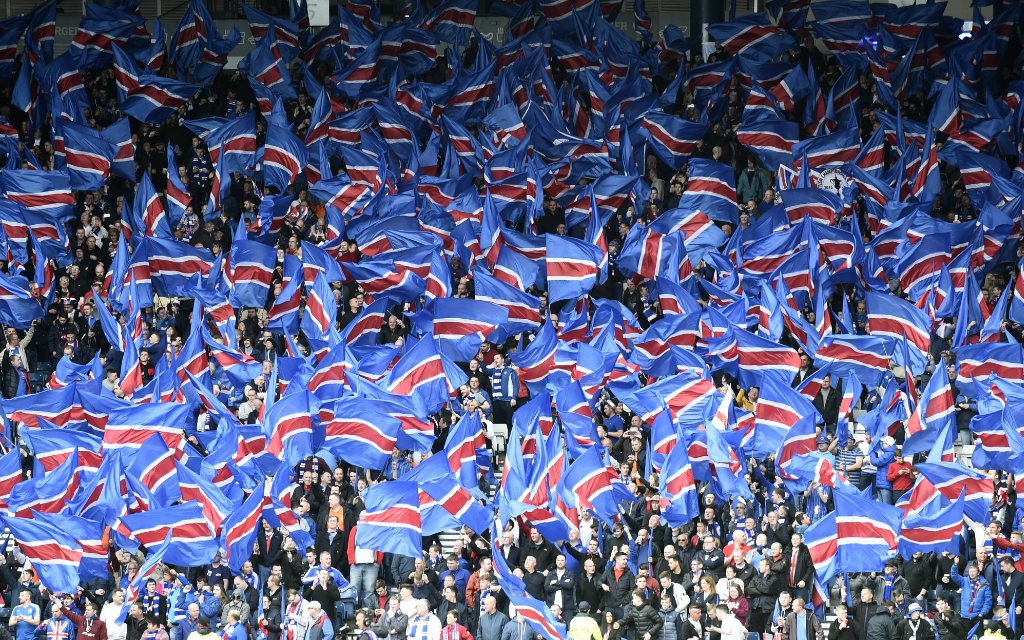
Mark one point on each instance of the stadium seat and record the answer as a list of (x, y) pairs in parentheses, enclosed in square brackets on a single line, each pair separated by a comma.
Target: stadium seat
[(500, 438)]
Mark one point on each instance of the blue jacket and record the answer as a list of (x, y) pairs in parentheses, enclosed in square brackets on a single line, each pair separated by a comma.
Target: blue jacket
[(210, 607), (881, 458), (504, 383), (981, 602)]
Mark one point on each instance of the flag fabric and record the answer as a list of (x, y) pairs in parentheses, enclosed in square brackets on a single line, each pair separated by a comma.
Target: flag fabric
[(934, 529), (391, 521), (182, 529), (359, 434), (240, 530), (499, 193), (288, 426), (54, 553), (868, 532)]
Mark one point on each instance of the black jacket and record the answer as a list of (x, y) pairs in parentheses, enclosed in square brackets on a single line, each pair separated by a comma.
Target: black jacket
[(829, 409), (804, 567), (544, 553), (951, 626), (566, 585), (618, 591), (688, 631), (642, 619), (862, 612), (265, 555), (924, 630), (881, 626), (534, 583), (589, 590), (338, 548), (1013, 588), (763, 590), (853, 631), (326, 597)]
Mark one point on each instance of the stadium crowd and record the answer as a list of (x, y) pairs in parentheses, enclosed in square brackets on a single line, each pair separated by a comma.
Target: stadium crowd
[(739, 566)]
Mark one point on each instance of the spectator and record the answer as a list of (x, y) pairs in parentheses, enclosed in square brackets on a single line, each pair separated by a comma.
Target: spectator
[(491, 622), (845, 627)]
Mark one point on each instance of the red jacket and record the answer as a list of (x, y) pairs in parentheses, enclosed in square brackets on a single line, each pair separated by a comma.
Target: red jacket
[(900, 482)]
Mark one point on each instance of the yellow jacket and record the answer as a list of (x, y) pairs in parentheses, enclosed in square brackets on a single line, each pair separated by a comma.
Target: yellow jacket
[(584, 627)]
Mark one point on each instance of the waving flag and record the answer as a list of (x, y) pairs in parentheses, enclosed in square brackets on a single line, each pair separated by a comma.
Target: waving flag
[(361, 434), (460, 326), (754, 353), (771, 140), (420, 374), (829, 150), (711, 188), (44, 192), (284, 158), (573, 267), (888, 316), (173, 265), (241, 529), (53, 447), (130, 426), (17, 306), (753, 35), (934, 529), (536, 613), (55, 555), (866, 356), (194, 487), (288, 425), (868, 532), (391, 521), (182, 529), (89, 157), (934, 413), (591, 484), (950, 479), (673, 140), (89, 534), (154, 466), (49, 493), (677, 488)]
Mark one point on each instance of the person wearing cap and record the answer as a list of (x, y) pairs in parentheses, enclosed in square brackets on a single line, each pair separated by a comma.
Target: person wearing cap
[(882, 456), (916, 626), (582, 626), (203, 630), (889, 582)]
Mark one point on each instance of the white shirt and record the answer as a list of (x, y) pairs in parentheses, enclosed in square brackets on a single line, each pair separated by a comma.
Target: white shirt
[(109, 615), (425, 628), (732, 629)]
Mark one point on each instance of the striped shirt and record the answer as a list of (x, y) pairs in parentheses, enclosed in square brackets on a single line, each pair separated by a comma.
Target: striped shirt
[(847, 458)]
